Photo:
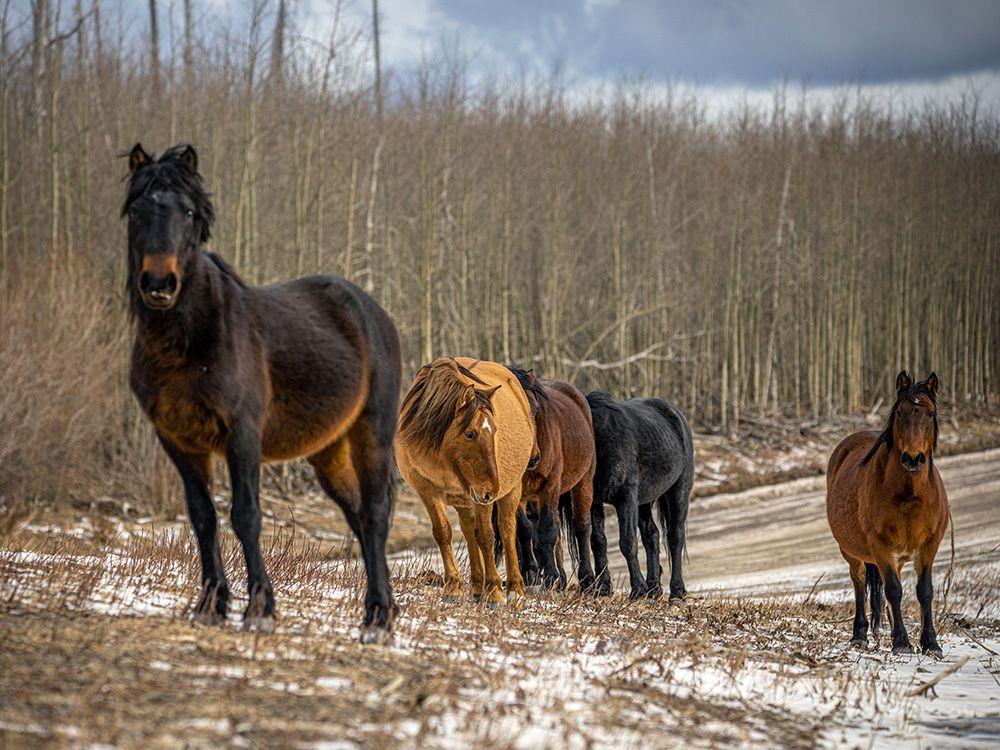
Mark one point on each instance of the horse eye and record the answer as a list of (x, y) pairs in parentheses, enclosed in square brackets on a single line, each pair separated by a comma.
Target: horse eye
[(471, 435), (190, 214)]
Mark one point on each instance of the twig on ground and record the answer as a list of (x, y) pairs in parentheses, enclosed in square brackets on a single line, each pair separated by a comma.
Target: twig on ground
[(924, 687)]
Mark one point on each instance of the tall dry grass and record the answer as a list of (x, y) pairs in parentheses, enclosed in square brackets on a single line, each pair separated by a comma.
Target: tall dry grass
[(68, 426)]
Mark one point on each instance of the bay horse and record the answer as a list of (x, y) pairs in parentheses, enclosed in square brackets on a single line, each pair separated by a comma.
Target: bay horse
[(645, 454), (565, 466), (887, 506), (307, 368), (465, 439)]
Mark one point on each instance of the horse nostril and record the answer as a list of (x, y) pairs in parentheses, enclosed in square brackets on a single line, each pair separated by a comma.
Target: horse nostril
[(921, 457), (487, 497), (149, 283)]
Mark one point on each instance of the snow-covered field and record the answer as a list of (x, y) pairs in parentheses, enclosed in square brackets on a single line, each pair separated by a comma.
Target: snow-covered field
[(97, 650)]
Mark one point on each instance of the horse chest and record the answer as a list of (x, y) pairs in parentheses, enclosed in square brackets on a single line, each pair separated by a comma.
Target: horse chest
[(182, 412)]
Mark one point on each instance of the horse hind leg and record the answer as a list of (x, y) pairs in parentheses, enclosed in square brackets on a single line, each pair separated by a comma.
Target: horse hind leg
[(925, 595), (365, 497), (599, 546), (875, 597), (673, 511), (859, 581), (372, 457), (651, 543)]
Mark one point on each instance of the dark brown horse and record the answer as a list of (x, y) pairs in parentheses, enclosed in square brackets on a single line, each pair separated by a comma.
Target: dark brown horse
[(305, 368), (887, 506), (565, 465)]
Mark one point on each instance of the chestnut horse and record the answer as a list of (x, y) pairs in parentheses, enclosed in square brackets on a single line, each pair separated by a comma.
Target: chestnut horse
[(465, 439), (305, 368), (887, 506), (564, 438)]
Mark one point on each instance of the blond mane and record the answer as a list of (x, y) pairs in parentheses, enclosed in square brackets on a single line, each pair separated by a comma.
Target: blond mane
[(430, 405)]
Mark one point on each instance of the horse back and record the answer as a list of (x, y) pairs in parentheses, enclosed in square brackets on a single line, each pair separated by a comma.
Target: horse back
[(567, 427)]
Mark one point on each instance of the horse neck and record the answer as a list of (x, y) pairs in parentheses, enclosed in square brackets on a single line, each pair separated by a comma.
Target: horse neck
[(197, 316)]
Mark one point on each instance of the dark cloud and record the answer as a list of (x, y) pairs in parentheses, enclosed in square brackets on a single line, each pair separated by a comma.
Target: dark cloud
[(744, 43)]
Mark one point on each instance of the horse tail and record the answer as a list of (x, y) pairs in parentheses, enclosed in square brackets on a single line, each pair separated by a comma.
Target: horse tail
[(663, 513), (566, 528), (875, 595)]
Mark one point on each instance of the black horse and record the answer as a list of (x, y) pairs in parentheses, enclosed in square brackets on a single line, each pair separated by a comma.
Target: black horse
[(645, 453), (256, 374)]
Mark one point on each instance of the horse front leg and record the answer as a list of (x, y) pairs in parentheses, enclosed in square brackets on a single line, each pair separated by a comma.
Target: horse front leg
[(508, 535), (925, 595), (442, 537), (477, 577), (196, 475), (894, 593), (243, 457)]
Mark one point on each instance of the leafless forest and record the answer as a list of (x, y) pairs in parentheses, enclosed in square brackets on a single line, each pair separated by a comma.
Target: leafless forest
[(781, 260)]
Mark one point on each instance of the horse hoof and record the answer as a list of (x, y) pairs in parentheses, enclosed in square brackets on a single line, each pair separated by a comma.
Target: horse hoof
[(655, 592), (677, 595), (859, 642), (451, 598), (902, 648), (262, 624), (201, 617), (934, 650), (637, 594), (492, 604), (477, 598), (378, 635)]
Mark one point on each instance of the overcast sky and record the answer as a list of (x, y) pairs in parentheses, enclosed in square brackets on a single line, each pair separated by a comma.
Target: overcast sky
[(912, 48), (909, 48)]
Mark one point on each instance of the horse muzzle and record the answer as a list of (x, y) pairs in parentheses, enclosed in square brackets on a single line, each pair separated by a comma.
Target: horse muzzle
[(159, 281), (912, 463)]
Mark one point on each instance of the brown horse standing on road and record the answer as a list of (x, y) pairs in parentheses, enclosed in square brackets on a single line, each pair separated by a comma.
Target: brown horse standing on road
[(305, 368), (567, 459), (465, 439), (887, 506)]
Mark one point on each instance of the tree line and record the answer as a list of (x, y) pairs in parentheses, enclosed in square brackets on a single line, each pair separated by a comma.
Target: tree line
[(786, 259)]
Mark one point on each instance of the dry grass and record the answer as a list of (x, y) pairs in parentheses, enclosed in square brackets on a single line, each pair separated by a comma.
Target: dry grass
[(97, 650)]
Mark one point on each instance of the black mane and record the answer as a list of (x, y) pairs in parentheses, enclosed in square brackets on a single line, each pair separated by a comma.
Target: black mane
[(911, 393), (529, 384)]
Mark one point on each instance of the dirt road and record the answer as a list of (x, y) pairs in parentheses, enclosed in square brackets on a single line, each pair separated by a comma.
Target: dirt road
[(776, 539)]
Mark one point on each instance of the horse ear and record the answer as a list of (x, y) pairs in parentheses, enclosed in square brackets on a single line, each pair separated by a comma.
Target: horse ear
[(138, 158), (531, 375), (903, 382), (468, 395), (932, 383), (189, 158), (490, 392)]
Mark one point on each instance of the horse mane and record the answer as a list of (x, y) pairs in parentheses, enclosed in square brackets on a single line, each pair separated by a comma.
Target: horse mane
[(429, 407), (226, 269), (169, 172), (885, 437), (529, 384)]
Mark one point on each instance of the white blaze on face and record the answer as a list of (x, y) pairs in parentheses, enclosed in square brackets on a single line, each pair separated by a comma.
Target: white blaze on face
[(486, 425)]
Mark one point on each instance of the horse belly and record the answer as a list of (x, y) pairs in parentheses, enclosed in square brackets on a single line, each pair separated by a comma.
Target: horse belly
[(293, 429)]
